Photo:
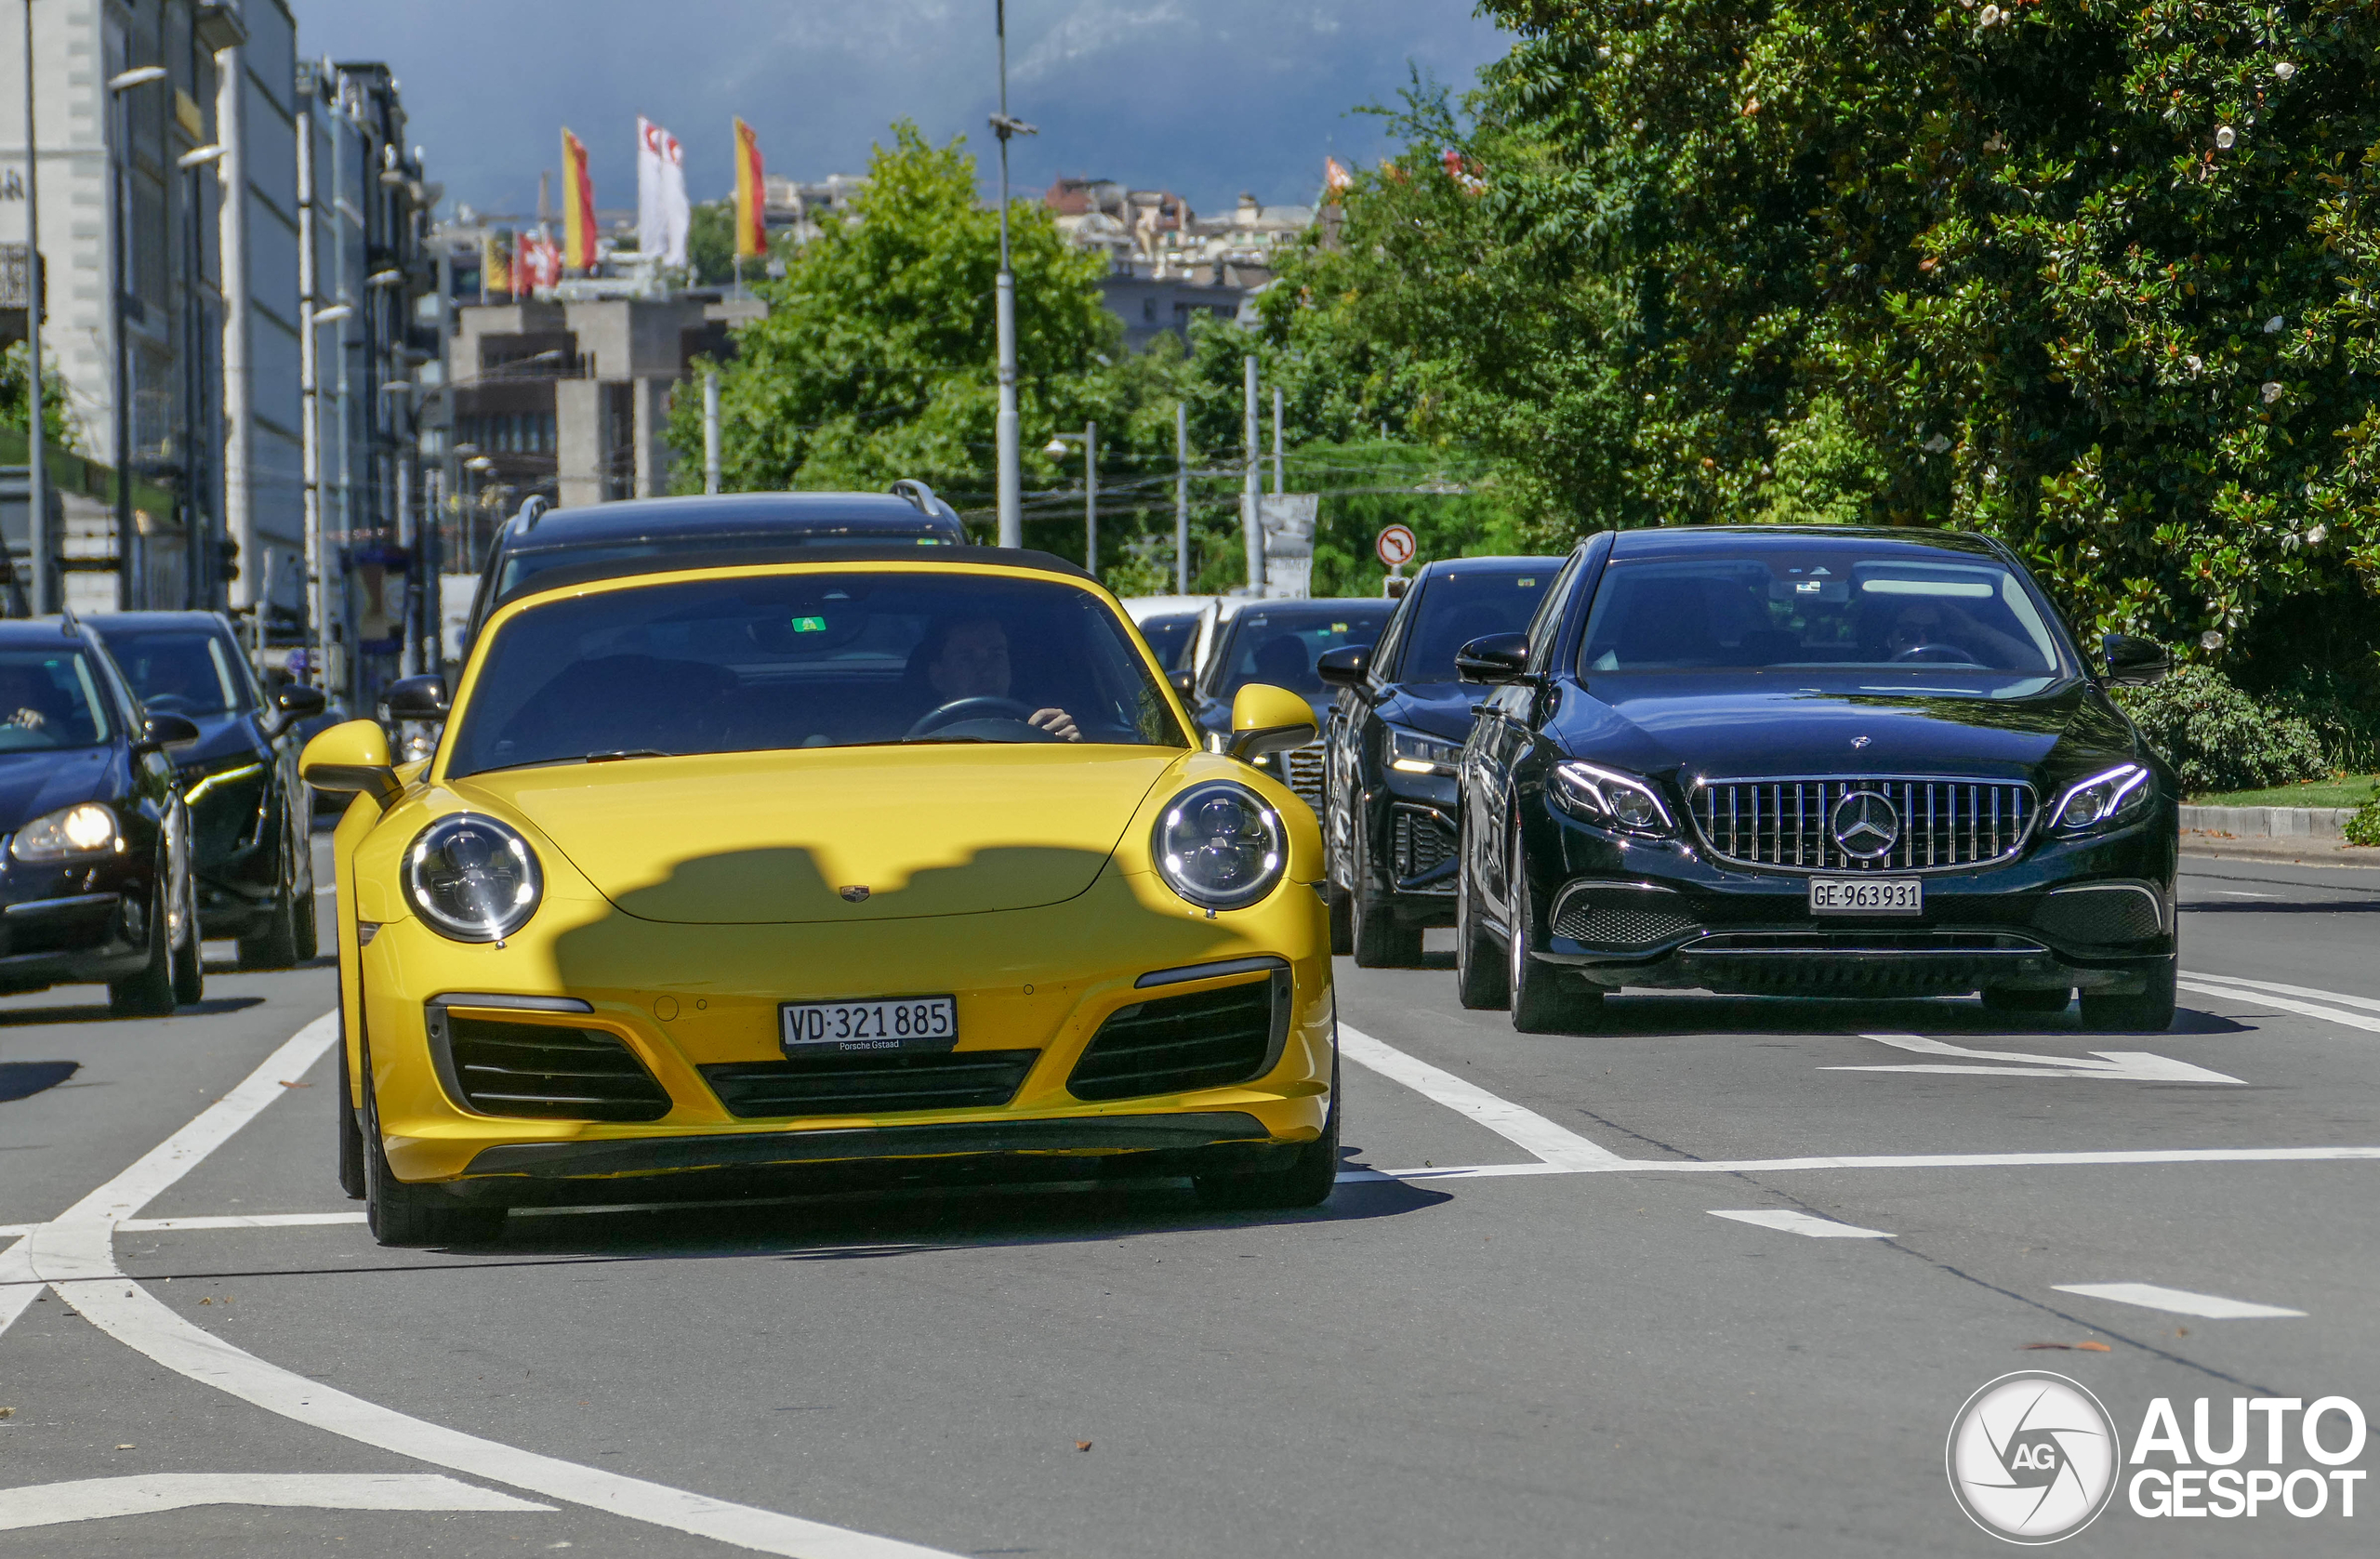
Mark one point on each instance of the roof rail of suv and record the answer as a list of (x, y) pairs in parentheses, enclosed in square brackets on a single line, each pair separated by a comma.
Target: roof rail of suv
[(532, 508), (917, 492)]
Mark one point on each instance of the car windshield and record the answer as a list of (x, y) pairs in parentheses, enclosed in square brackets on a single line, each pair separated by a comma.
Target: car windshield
[(181, 672), (808, 660), (1279, 647), (1168, 634), (49, 699), (1777, 606), (1464, 604)]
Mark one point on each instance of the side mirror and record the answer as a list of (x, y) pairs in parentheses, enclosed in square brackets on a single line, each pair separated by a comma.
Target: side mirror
[(167, 731), (1183, 682), (422, 697), (1266, 718), (2134, 662), (1344, 666), (300, 702), (1496, 658), (349, 758)]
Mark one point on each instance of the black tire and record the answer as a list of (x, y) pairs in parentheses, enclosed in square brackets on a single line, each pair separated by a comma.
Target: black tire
[(1342, 925), (415, 1215), (351, 1135), (1306, 1183), (2026, 1003), (2149, 1012), (149, 994), (276, 946), (1544, 1001), (1482, 982), (1380, 940), (309, 922), (190, 962)]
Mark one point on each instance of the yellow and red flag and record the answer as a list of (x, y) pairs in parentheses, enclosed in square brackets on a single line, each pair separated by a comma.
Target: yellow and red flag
[(495, 270), (751, 197), (578, 205)]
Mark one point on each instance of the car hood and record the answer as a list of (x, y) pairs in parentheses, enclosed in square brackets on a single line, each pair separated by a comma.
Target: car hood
[(222, 738), (775, 837), (1748, 724), (35, 782), (1441, 709)]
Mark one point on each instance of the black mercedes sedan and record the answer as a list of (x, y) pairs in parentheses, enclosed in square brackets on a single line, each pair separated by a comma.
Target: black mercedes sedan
[(1820, 761), (1396, 734), (94, 879), (1279, 642), (250, 819)]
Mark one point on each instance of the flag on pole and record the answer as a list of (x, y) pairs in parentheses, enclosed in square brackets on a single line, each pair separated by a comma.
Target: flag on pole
[(578, 205), (1336, 180), (663, 214), (751, 197), (537, 262), (496, 275)]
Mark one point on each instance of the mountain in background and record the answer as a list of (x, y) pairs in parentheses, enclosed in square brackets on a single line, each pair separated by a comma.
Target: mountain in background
[(1207, 97)]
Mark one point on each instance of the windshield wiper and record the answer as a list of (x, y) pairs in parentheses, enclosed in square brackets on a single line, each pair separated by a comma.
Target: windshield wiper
[(617, 753)]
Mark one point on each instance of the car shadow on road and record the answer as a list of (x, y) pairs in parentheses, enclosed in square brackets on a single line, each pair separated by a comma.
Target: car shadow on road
[(1650, 1014), (98, 1012), (22, 1079)]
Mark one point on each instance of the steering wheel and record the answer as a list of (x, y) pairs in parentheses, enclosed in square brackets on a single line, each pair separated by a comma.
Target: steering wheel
[(979, 708), (1939, 654)]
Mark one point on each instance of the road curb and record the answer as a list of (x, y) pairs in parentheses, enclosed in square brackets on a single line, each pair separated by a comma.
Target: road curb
[(2277, 823)]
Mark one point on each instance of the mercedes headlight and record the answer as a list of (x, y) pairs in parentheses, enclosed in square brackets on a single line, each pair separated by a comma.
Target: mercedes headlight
[(1409, 752), (473, 879), (87, 828), (2104, 799), (1220, 846), (1610, 798)]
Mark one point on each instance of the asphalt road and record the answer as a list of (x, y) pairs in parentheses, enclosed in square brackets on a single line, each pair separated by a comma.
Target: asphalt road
[(1528, 1335)]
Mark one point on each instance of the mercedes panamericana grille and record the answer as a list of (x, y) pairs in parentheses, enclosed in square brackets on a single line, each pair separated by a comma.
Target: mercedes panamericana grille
[(1812, 762), (806, 871)]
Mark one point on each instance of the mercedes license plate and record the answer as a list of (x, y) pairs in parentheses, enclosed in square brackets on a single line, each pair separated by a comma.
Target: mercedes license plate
[(1867, 895), (911, 1023)]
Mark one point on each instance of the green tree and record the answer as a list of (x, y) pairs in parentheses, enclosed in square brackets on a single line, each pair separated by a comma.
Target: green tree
[(16, 399)]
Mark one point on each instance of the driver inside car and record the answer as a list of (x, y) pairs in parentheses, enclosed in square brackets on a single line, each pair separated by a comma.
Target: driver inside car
[(969, 658), (1945, 625)]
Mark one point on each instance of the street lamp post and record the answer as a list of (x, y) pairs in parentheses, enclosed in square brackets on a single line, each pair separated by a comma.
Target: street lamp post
[(1011, 476), (127, 596), (1057, 449), (36, 464), (197, 587)]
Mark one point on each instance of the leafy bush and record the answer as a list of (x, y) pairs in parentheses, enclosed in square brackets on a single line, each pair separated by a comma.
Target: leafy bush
[(2364, 826), (2220, 738), (2343, 710)]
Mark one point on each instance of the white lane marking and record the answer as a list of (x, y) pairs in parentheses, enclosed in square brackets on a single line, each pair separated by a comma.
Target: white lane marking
[(2116, 1157), (2178, 1301), (2363, 1001), (2236, 894), (1793, 1223), (75, 1255), (2259, 991), (1537, 1135), (19, 1285), (235, 1221), (2138, 1066), (53, 1504)]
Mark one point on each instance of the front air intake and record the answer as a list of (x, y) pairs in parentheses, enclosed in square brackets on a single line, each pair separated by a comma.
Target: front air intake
[(542, 1071), (1175, 1044), (870, 1083)]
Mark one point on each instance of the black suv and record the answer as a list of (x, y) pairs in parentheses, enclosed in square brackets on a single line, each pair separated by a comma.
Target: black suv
[(640, 535), (1819, 760), (250, 820), (1395, 735)]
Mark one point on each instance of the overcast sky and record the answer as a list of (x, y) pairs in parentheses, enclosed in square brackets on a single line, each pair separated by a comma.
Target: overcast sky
[(1207, 97)]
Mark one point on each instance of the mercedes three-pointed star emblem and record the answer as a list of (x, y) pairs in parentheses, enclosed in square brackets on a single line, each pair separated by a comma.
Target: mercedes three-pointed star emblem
[(1858, 742), (1865, 824)]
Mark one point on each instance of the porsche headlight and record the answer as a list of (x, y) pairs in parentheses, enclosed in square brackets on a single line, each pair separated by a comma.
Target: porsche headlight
[(87, 828), (1610, 798), (1220, 846), (2104, 799), (1409, 752), (473, 879)]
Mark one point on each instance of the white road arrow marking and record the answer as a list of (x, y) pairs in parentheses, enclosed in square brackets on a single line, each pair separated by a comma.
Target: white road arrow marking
[(1796, 1222), (2178, 1301), (54, 1505), (2137, 1066)]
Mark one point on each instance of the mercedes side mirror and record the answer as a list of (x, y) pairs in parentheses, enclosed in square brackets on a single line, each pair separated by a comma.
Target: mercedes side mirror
[(296, 701), (422, 697), (1344, 666), (2134, 662), (1496, 658), (169, 731)]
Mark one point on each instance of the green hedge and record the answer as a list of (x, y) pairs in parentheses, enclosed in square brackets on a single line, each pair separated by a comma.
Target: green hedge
[(2220, 738)]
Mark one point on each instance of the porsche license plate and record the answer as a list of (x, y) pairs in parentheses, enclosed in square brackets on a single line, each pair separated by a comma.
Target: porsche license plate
[(912, 1022), (1867, 895)]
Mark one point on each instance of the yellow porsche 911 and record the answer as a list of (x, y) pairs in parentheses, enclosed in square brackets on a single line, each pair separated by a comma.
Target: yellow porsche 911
[(867, 868)]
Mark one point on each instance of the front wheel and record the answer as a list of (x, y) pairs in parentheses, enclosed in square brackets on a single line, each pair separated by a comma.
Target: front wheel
[(1306, 1183), (1543, 1003), (1482, 984), (150, 993), (351, 1135), (1381, 942), (414, 1215), (2149, 1012), (276, 946), (189, 959)]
